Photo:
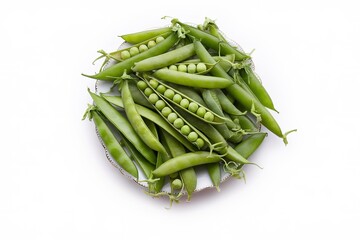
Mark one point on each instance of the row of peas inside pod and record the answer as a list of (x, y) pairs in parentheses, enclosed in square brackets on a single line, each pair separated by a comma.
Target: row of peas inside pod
[(183, 102)]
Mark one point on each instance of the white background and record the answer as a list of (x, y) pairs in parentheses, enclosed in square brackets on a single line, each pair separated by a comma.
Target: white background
[(55, 181)]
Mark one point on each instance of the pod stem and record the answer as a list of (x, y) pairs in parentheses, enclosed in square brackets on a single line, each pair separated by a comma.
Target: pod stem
[(234, 169), (172, 197), (285, 135)]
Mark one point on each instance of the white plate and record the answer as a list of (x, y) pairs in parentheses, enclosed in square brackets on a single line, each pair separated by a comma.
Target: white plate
[(203, 179)]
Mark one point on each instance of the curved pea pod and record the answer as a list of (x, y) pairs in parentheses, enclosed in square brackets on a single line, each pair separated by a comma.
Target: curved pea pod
[(113, 146), (154, 117), (117, 70), (214, 117), (192, 80), (257, 87), (138, 37), (124, 126), (250, 144), (165, 59), (137, 122), (212, 41), (185, 161)]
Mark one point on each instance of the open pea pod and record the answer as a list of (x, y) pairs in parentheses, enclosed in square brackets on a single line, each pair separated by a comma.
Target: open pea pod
[(178, 122), (125, 53), (178, 97), (143, 35)]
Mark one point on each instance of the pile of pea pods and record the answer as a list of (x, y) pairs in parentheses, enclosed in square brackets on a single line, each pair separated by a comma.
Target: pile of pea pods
[(186, 98)]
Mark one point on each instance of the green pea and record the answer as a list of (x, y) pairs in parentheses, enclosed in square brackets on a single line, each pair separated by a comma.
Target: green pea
[(209, 116), (159, 39), (176, 184), (192, 136), (143, 48), (177, 98), (179, 123), (166, 111), (134, 51), (172, 117), (193, 107), (200, 142), (160, 104), (148, 91), (153, 83), (201, 112), (184, 103), (169, 93), (200, 67), (153, 98), (151, 44), (141, 85), (173, 68), (191, 68), (161, 89), (185, 130), (182, 68), (125, 54)]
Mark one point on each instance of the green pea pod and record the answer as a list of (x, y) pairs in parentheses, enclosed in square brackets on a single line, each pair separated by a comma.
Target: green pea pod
[(226, 104), (144, 165), (256, 87), (250, 144), (195, 136), (113, 146), (193, 80), (118, 55), (154, 117), (138, 37), (117, 70), (241, 95), (212, 42), (215, 119), (185, 161), (212, 101), (165, 59), (137, 122), (124, 126), (215, 174)]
